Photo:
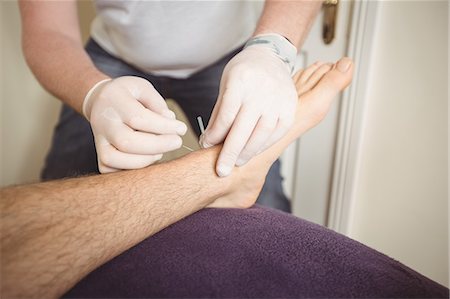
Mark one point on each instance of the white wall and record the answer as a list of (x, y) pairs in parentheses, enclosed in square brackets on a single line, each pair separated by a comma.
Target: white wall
[(27, 114), (401, 201)]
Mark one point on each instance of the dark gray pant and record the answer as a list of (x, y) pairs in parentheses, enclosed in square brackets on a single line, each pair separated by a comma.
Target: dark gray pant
[(73, 151)]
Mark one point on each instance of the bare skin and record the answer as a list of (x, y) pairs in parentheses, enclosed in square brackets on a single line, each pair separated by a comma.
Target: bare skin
[(291, 19), (55, 233), (53, 48)]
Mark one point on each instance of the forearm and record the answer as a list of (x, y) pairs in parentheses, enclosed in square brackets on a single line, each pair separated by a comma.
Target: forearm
[(55, 233), (54, 51), (291, 19), (62, 67)]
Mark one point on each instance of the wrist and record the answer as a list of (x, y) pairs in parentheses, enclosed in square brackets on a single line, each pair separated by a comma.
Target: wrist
[(88, 99), (241, 188), (279, 45), (225, 185)]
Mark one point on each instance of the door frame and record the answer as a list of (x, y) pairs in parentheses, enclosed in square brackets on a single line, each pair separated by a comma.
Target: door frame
[(351, 120)]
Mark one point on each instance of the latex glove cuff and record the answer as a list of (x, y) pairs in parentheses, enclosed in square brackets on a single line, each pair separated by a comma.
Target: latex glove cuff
[(279, 45), (89, 96)]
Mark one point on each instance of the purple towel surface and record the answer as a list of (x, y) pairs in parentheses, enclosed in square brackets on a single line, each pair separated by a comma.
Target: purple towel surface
[(253, 253)]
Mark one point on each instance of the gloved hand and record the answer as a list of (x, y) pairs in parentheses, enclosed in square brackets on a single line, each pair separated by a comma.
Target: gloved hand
[(131, 122), (256, 105)]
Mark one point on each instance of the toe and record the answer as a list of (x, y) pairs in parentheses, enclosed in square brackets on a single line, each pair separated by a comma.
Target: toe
[(337, 78), (314, 78), (344, 64), (297, 75), (329, 86), (304, 76)]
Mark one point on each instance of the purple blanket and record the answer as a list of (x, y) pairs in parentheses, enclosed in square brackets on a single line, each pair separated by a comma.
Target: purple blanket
[(253, 253)]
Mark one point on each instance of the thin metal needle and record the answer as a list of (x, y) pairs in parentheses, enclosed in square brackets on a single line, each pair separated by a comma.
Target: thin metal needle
[(188, 148), (200, 124), (202, 130)]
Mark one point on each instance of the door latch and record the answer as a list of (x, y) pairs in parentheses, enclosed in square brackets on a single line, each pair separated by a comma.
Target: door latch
[(329, 20)]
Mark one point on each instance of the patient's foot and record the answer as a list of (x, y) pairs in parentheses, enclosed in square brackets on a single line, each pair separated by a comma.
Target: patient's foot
[(317, 86)]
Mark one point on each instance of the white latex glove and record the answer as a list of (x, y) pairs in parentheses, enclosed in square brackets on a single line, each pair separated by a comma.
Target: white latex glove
[(131, 122), (255, 108)]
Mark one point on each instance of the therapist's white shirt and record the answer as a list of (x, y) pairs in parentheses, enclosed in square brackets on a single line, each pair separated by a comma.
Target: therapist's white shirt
[(173, 38)]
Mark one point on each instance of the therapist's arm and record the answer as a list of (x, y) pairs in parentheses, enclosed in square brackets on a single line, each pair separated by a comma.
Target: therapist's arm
[(291, 19), (53, 49)]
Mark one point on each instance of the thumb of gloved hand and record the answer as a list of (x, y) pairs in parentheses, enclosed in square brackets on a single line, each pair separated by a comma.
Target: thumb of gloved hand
[(131, 123)]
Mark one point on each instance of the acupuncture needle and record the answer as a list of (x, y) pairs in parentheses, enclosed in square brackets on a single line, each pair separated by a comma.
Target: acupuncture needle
[(188, 148), (202, 130), (200, 124)]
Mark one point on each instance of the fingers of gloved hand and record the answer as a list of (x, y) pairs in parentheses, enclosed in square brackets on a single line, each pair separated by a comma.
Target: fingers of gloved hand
[(129, 141), (143, 91), (283, 126), (111, 158), (236, 140), (214, 113), (102, 168), (260, 135), (122, 106), (227, 110), (140, 118), (100, 143)]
